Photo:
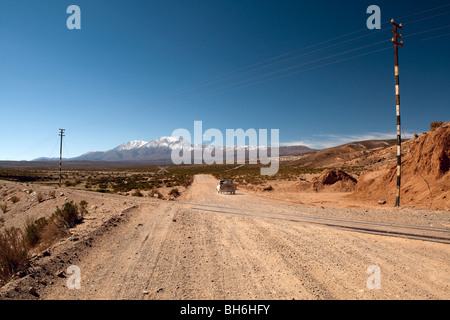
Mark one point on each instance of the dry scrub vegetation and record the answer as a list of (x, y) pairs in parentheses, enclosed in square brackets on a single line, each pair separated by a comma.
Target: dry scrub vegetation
[(17, 245), (149, 181)]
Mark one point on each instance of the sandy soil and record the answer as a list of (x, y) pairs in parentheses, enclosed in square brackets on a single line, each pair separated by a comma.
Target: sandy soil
[(215, 246), (288, 192)]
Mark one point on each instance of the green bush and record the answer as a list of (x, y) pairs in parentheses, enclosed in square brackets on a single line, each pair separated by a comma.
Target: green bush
[(68, 216)]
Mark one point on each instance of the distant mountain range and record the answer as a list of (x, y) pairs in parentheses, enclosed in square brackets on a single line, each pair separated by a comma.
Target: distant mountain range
[(160, 150)]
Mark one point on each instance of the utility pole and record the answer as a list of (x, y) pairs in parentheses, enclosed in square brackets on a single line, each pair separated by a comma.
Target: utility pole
[(395, 41), (61, 134)]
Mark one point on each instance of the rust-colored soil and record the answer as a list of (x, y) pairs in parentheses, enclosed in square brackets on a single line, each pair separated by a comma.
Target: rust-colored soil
[(425, 174), (207, 245)]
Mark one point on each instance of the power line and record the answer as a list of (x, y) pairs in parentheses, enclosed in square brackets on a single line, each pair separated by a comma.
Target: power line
[(228, 75), (65, 148), (289, 68), (54, 147), (263, 64), (435, 37), (426, 31), (203, 94), (299, 56), (427, 18), (216, 79), (190, 90), (36, 144), (428, 10), (306, 70)]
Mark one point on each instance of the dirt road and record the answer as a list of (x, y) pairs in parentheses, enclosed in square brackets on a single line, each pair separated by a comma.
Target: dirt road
[(195, 249)]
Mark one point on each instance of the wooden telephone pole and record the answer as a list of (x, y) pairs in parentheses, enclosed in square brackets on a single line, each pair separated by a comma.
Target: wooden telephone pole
[(61, 134), (397, 101)]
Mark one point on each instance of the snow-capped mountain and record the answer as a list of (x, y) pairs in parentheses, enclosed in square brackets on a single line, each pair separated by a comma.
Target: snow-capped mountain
[(168, 142), (130, 145), (137, 150), (160, 150)]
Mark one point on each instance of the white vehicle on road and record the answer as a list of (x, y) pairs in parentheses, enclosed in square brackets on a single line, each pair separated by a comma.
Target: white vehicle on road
[(226, 186)]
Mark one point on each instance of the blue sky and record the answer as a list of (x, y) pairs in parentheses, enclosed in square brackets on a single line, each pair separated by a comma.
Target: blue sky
[(141, 69)]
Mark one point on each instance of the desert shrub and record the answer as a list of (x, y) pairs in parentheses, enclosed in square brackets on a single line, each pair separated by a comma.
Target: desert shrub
[(68, 183), (16, 244), (68, 216), (52, 194), (137, 193), (31, 235), (33, 231), (13, 253), (83, 208), (51, 233), (188, 181), (103, 185), (103, 190), (435, 124), (156, 192), (15, 199), (3, 207), (40, 197), (174, 192), (44, 232)]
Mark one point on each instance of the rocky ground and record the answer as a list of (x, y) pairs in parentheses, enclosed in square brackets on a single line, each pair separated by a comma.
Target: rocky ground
[(211, 246)]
